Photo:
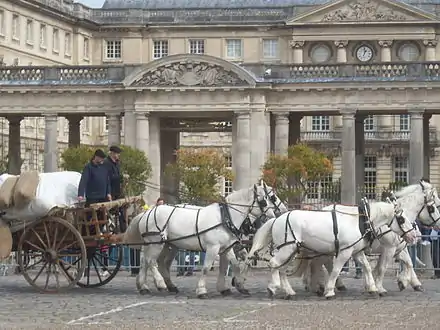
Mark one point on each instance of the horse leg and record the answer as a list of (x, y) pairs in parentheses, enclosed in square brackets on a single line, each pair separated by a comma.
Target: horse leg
[(221, 279), (165, 260), (141, 278), (328, 266), (238, 278), (338, 263), (289, 292), (370, 285), (151, 254), (381, 267), (280, 259), (319, 275), (408, 270), (211, 253)]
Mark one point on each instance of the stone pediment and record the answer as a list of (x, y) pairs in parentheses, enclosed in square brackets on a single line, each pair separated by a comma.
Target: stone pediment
[(188, 70), (345, 11)]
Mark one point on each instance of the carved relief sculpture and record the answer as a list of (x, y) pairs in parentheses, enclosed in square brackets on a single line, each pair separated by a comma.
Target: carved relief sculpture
[(296, 44), (430, 43), (186, 73), (363, 10)]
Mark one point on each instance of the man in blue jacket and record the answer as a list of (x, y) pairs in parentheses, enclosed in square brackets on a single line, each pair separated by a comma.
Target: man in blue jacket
[(94, 186)]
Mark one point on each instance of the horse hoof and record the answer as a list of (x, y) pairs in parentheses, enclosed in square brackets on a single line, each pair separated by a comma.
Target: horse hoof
[(226, 292), (144, 291), (419, 288), (373, 293), (289, 297), (233, 282), (383, 294), (173, 289), (320, 293), (330, 297), (161, 289), (401, 286), (203, 296), (342, 288), (243, 291), (270, 293)]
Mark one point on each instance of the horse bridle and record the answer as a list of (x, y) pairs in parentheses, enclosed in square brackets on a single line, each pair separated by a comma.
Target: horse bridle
[(400, 219), (273, 198), (430, 205)]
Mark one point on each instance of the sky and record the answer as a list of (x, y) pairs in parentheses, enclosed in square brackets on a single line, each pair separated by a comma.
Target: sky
[(92, 3)]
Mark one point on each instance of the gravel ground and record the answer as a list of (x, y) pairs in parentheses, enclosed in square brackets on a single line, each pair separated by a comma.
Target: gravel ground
[(118, 306)]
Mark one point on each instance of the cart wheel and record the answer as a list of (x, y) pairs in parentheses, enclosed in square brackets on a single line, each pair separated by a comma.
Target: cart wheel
[(101, 266), (50, 253)]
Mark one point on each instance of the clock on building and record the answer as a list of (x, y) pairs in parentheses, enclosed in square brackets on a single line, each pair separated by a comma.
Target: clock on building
[(364, 53)]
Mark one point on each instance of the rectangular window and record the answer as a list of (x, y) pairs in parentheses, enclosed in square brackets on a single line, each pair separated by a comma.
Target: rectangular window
[(405, 122), (370, 180), (234, 49), (369, 124), (227, 188), (160, 48), (86, 48), (321, 123), (2, 22), (228, 161), (30, 31), (56, 40), (113, 49), (197, 46), (68, 44), (318, 191), (43, 35), (270, 48), (16, 27), (401, 169)]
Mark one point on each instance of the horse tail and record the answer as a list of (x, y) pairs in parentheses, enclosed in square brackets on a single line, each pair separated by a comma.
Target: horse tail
[(132, 235), (262, 238)]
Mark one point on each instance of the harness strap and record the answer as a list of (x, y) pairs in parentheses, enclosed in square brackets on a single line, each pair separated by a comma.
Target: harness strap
[(335, 230), (197, 230)]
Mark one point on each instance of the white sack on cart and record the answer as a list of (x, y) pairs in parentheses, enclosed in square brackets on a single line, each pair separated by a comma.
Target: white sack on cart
[(55, 190)]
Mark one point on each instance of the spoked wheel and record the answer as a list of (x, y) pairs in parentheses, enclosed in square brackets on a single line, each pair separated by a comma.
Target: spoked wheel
[(103, 262), (50, 254), (102, 265)]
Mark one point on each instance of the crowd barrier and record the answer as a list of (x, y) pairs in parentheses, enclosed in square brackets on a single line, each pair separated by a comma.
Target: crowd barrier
[(425, 256)]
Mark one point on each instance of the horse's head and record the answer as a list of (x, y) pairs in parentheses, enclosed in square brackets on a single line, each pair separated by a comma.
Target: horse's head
[(403, 224), (280, 208), (262, 203), (429, 214)]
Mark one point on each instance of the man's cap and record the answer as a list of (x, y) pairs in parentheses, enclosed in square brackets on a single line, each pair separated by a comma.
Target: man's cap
[(115, 149), (100, 153)]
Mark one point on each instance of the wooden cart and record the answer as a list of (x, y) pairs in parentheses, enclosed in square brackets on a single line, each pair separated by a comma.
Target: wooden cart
[(73, 246)]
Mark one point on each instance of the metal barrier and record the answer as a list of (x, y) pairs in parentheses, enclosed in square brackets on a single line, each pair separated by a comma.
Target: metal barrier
[(425, 257)]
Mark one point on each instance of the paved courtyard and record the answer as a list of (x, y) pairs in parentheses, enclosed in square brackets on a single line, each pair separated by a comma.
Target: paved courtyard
[(118, 305)]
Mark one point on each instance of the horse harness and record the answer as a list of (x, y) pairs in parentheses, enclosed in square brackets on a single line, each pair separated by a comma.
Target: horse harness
[(245, 228)]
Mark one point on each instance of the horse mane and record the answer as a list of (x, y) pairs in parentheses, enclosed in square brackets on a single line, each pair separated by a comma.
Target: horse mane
[(408, 190), (379, 209), (239, 196)]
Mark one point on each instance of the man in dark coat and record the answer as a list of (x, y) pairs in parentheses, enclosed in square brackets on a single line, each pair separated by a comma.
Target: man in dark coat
[(94, 186)]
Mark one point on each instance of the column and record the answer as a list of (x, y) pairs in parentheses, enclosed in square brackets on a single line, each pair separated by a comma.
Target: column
[(170, 141), (348, 168), (281, 132), (426, 146), (114, 129), (341, 54), (269, 133), (259, 134), (360, 156), (74, 130), (294, 128), (430, 54), (298, 51), (142, 131), (130, 129), (242, 147), (154, 156), (385, 50), (14, 145), (50, 143), (233, 145), (416, 156)]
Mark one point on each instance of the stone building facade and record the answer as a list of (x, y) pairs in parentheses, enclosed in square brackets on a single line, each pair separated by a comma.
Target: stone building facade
[(285, 70)]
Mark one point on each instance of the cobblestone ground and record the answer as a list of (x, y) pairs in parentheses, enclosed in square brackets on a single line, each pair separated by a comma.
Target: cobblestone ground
[(118, 305)]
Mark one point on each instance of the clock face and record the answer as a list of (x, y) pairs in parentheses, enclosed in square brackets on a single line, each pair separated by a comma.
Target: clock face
[(364, 53)]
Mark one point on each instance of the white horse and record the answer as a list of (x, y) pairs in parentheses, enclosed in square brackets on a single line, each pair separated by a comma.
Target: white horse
[(214, 228), (170, 251), (324, 233), (423, 199)]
